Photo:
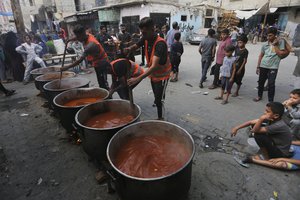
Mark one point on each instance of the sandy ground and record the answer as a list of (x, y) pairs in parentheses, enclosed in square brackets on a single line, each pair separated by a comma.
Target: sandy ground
[(38, 162)]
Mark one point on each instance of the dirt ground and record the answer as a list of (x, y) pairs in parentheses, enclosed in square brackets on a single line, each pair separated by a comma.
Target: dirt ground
[(37, 162)]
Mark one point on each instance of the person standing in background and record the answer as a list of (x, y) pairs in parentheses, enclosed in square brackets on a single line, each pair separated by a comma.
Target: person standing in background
[(31, 51), (170, 35), (125, 40), (207, 49)]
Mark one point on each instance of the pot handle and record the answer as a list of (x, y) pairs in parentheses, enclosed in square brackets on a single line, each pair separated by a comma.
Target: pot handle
[(79, 130), (113, 178)]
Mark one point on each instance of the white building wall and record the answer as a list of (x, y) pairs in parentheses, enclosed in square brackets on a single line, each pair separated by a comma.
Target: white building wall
[(135, 10), (255, 4)]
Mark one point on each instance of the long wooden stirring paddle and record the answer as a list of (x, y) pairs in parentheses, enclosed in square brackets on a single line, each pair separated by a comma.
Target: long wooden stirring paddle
[(63, 63)]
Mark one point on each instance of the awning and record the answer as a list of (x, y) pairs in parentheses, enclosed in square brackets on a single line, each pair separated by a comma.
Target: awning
[(244, 14), (261, 11), (6, 13)]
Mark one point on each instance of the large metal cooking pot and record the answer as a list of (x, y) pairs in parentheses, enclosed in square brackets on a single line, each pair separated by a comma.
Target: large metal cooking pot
[(56, 87), (174, 186), (95, 140), (41, 80), (67, 113), (40, 71)]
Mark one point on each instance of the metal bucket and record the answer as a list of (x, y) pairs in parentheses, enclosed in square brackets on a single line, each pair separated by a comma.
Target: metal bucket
[(41, 80), (67, 113), (174, 186), (95, 140), (40, 71), (52, 88)]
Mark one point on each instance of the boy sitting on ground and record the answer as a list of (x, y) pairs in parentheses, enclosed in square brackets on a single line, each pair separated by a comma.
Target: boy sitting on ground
[(292, 106), (275, 138)]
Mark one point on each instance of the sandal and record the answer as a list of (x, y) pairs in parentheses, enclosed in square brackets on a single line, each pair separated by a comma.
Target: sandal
[(224, 102), (234, 95), (218, 98), (257, 99)]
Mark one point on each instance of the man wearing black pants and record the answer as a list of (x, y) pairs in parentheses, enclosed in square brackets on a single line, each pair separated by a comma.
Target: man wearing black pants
[(268, 63), (159, 67)]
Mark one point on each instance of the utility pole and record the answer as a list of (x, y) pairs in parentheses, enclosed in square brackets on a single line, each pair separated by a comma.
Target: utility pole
[(265, 18), (18, 17)]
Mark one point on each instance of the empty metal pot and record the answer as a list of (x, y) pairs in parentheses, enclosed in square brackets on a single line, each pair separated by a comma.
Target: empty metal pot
[(40, 71), (41, 80), (95, 140), (67, 113), (174, 186), (56, 87)]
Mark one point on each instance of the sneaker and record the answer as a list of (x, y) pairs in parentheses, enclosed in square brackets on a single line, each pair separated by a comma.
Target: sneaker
[(142, 64), (201, 85)]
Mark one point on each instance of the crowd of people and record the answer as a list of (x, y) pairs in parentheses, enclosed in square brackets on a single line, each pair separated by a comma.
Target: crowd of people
[(275, 131)]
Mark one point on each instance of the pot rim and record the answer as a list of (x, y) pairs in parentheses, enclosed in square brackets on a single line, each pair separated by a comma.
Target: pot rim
[(157, 178), (104, 129), (63, 89), (35, 71), (71, 107), (43, 80)]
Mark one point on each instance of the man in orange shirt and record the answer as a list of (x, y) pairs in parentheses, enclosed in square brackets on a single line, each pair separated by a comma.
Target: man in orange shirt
[(159, 67)]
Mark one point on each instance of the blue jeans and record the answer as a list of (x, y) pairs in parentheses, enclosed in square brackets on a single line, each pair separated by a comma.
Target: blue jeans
[(206, 62)]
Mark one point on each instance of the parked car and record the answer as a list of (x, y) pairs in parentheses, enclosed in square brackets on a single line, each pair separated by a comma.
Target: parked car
[(197, 36)]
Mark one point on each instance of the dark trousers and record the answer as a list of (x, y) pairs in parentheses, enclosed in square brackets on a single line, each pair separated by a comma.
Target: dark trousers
[(266, 142), (270, 75), (143, 54), (2, 88), (217, 74), (158, 91), (123, 93), (101, 72), (206, 62)]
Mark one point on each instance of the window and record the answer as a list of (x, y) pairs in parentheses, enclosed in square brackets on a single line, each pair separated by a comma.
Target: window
[(31, 2), (209, 12), (183, 18), (207, 23)]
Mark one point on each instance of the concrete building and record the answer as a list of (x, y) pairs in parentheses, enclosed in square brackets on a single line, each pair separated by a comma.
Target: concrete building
[(6, 17), (191, 17)]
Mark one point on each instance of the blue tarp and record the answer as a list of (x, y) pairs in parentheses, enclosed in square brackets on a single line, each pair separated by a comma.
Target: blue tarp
[(6, 13)]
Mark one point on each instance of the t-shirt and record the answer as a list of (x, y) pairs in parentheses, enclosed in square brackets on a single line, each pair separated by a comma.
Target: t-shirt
[(226, 68), (176, 49), (234, 35), (120, 68), (281, 135), (207, 46), (91, 49), (51, 47), (103, 38), (170, 37), (221, 51), (240, 56), (270, 59), (161, 49)]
